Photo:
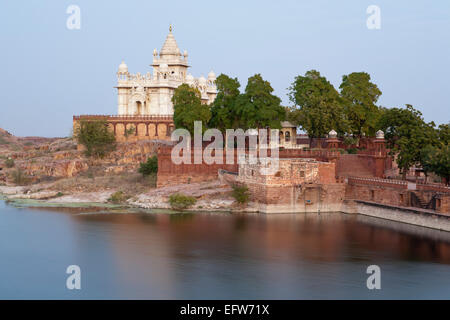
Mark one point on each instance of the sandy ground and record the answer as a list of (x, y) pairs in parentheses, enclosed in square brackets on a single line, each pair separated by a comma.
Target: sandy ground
[(210, 195)]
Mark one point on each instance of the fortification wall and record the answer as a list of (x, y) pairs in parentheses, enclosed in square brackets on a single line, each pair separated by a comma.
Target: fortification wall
[(398, 193)]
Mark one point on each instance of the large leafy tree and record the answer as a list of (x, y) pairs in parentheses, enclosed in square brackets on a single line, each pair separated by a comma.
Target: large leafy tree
[(436, 156), (407, 133), (223, 110), (258, 107), (188, 107), (437, 160), (360, 96), (318, 106), (444, 134)]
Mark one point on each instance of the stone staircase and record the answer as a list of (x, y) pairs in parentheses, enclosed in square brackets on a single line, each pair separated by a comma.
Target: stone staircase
[(352, 165), (418, 201)]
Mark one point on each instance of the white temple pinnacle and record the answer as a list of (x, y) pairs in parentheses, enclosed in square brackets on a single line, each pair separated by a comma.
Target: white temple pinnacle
[(151, 94)]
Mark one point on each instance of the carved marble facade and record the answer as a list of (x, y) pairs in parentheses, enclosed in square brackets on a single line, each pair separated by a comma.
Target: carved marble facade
[(151, 93)]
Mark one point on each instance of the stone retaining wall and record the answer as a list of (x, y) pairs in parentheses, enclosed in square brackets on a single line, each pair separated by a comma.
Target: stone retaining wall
[(406, 215)]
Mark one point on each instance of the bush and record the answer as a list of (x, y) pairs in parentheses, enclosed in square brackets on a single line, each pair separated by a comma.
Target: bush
[(180, 201), (130, 131), (240, 194), (9, 163), (348, 141), (95, 137), (118, 197), (19, 177), (352, 151), (149, 167)]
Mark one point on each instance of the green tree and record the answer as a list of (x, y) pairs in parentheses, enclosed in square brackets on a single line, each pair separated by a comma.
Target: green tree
[(444, 134), (407, 133), (188, 107), (318, 106), (258, 107), (360, 96), (223, 110), (436, 157), (95, 137), (149, 167)]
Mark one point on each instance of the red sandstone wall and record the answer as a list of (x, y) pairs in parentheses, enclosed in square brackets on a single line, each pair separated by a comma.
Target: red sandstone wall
[(355, 165), (444, 205), (327, 173), (170, 173), (379, 194)]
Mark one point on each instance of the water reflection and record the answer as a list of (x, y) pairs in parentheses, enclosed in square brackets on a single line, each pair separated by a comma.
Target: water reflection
[(223, 256)]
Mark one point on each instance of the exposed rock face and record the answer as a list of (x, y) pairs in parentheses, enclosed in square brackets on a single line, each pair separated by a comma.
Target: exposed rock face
[(43, 158), (57, 169)]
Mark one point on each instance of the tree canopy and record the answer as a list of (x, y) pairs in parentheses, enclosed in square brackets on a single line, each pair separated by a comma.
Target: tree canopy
[(257, 107), (435, 157), (407, 133), (223, 110), (188, 107), (360, 96), (318, 106), (95, 136)]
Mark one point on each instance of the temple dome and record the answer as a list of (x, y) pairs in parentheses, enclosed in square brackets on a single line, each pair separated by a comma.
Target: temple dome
[(332, 134), (379, 134), (123, 68), (202, 81), (170, 46), (211, 75), (163, 67)]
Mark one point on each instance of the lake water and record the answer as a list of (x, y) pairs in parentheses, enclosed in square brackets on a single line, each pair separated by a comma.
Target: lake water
[(217, 256)]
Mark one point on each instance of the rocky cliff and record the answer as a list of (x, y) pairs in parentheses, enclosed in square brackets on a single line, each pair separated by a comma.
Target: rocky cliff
[(47, 159)]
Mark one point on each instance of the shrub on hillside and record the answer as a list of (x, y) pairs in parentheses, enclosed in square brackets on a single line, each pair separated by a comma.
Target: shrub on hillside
[(95, 137), (240, 194), (9, 163), (118, 197), (180, 201), (19, 177), (149, 167)]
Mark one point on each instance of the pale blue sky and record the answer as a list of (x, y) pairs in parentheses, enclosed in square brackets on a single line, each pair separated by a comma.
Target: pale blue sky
[(50, 73)]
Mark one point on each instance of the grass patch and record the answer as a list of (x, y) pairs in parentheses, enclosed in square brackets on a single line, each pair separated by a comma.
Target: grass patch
[(118, 197), (179, 201)]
